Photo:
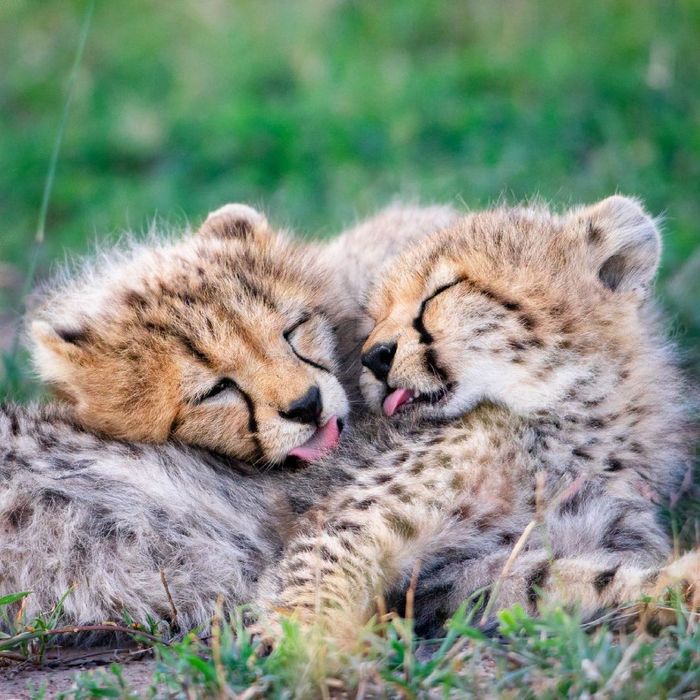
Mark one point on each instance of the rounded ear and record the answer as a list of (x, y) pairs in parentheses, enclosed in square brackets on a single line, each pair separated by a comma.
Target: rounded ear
[(233, 221), (624, 243), (57, 354)]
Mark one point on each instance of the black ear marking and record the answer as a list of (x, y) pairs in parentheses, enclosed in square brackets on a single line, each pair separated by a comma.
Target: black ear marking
[(233, 222), (74, 336), (624, 244), (612, 272)]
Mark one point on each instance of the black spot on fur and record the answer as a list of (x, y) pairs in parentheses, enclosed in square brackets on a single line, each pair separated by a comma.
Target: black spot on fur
[(620, 537), (526, 321), (19, 516), (135, 300), (604, 579), (613, 464), (536, 581), (53, 498), (344, 526), (327, 555), (595, 235)]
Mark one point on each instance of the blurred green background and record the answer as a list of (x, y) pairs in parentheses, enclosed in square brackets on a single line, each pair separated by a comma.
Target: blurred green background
[(321, 111)]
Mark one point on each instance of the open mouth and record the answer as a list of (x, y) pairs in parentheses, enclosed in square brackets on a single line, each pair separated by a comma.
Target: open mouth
[(404, 399), (320, 443)]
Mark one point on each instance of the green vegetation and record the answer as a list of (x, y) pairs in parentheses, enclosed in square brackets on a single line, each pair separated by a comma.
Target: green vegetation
[(321, 111), (551, 656)]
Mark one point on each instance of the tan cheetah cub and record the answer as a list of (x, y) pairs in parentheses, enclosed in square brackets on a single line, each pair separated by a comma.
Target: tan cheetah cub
[(534, 401), (223, 340)]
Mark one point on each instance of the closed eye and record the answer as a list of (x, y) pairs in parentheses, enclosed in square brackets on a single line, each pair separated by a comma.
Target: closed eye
[(425, 336), (224, 384), (289, 332)]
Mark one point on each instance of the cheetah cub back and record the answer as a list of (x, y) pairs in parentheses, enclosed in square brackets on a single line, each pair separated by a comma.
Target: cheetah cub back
[(222, 339), (526, 345)]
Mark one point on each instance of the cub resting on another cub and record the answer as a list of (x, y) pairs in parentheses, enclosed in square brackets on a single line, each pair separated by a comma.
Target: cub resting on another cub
[(489, 310), (534, 338)]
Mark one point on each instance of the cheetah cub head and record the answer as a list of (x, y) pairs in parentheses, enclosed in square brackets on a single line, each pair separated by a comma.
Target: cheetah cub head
[(223, 339), (513, 306)]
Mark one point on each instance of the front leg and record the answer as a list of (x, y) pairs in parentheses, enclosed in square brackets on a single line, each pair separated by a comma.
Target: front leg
[(336, 569)]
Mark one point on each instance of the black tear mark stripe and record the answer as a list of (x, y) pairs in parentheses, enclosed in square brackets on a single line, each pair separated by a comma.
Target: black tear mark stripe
[(252, 421), (425, 337), (431, 362)]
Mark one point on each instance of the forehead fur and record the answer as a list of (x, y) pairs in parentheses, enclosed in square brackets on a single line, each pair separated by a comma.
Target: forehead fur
[(127, 281), (530, 248)]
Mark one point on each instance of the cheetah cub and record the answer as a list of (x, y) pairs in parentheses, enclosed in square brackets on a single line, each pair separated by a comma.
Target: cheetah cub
[(223, 340), (533, 402)]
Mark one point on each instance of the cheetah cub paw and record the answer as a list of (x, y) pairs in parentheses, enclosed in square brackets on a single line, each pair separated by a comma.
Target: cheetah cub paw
[(685, 574)]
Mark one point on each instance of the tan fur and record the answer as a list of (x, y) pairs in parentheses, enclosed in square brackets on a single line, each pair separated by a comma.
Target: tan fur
[(137, 342), (534, 336), (358, 256), (134, 339)]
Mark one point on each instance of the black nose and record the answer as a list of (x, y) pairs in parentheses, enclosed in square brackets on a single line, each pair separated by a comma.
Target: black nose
[(307, 409), (379, 358)]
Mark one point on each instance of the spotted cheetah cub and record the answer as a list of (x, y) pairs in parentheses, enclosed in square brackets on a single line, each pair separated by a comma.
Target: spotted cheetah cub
[(533, 402), (223, 340)]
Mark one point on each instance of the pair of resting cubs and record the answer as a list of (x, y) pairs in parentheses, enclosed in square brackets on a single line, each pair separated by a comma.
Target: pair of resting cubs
[(526, 387)]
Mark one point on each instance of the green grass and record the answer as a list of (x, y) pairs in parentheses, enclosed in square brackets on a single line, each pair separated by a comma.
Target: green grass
[(321, 111), (551, 656)]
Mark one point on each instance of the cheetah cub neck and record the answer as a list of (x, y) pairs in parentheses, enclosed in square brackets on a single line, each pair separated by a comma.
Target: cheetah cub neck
[(547, 315), (223, 339)]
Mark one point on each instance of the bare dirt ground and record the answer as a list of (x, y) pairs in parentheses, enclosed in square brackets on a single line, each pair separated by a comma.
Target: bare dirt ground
[(19, 680)]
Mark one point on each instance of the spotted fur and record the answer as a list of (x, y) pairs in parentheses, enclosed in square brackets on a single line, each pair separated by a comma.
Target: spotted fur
[(135, 342), (544, 392), (210, 339)]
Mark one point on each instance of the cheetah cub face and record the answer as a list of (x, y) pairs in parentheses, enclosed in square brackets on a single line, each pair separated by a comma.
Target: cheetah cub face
[(512, 306), (223, 340)]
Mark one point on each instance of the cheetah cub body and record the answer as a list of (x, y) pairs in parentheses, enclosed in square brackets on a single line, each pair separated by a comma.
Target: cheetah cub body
[(534, 405)]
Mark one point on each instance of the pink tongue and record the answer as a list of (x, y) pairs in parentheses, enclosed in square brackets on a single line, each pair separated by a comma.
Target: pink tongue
[(322, 441), (397, 398)]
